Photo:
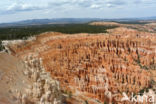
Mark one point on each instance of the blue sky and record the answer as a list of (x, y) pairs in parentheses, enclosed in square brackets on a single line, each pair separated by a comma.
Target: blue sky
[(17, 10)]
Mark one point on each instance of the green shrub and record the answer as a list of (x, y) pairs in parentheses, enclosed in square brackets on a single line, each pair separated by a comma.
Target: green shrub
[(86, 102)]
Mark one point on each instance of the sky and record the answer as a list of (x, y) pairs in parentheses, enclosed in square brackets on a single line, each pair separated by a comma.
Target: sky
[(17, 10)]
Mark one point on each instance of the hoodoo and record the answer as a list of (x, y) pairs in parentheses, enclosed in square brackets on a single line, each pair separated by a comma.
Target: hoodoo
[(90, 68)]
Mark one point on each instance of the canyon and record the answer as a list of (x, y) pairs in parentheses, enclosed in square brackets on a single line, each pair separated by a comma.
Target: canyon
[(88, 68)]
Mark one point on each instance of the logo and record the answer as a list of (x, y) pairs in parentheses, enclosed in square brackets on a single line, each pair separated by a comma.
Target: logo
[(138, 98)]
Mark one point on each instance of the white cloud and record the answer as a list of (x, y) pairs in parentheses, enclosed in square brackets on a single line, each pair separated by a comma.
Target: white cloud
[(61, 5), (15, 7), (109, 5), (95, 6), (28, 7)]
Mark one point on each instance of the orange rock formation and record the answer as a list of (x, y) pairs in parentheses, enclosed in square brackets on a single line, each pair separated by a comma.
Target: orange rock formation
[(98, 66)]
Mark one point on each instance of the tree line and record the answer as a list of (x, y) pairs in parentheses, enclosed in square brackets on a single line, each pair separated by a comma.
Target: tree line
[(22, 32)]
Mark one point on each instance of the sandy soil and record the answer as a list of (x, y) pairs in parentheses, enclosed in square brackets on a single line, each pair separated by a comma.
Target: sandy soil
[(11, 78)]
